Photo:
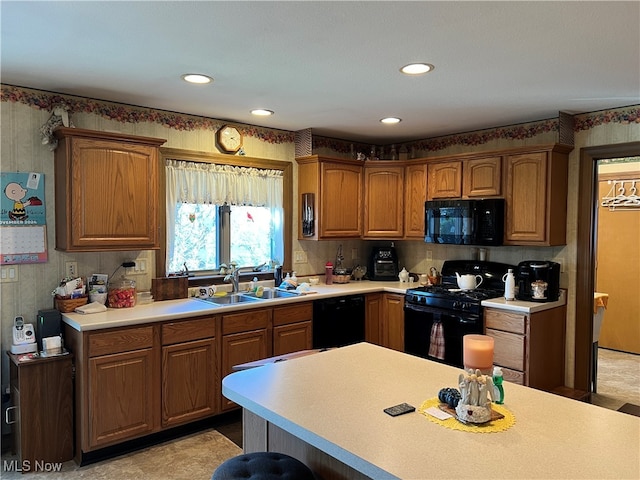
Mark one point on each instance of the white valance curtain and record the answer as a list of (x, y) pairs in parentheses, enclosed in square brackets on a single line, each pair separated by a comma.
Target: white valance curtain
[(191, 182)]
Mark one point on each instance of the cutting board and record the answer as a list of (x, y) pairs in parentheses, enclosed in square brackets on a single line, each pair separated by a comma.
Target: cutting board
[(169, 288)]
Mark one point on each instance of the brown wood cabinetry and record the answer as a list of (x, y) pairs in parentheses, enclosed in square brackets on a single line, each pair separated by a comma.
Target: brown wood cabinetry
[(42, 411), (292, 328), (337, 188), (122, 386), (106, 188), (529, 347), (445, 180), (245, 338), (536, 196), (415, 194), (481, 177), (189, 386), (393, 321), (383, 202), (373, 318)]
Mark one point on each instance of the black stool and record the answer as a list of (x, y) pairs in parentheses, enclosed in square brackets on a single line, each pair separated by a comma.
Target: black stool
[(263, 466)]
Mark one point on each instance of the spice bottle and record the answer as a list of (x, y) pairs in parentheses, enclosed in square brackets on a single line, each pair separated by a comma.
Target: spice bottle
[(328, 273)]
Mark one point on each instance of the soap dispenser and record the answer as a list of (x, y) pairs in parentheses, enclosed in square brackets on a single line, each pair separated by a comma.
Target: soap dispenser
[(498, 389)]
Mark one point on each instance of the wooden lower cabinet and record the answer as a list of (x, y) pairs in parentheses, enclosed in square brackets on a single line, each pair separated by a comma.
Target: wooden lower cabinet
[(189, 370), (529, 347), (122, 394), (373, 318), (292, 328), (392, 323)]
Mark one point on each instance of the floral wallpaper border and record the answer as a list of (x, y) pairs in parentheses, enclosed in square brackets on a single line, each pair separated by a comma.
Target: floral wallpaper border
[(126, 113), (130, 114)]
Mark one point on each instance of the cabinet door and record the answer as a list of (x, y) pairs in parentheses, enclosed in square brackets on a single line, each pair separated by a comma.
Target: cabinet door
[(393, 321), (122, 395), (383, 204), (341, 200), (240, 348), (445, 180), (292, 338), (111, 196), (526, 193), (188, 381), (415, 194), (481, 177), (373, 318)]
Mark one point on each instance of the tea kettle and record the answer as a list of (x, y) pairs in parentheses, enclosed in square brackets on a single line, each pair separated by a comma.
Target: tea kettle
[(468, 281)]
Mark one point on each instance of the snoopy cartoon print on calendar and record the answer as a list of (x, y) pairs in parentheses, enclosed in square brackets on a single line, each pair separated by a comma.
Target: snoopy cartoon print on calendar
[(23, 237), (22, 198)]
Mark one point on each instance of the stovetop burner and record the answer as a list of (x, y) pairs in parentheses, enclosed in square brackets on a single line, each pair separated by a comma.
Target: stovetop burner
[(454, 292)]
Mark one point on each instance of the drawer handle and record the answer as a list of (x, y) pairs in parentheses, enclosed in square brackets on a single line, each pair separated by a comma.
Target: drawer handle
[(6, 415)]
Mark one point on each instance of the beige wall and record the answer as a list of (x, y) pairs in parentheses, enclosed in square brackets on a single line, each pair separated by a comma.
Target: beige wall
[(22, 150)]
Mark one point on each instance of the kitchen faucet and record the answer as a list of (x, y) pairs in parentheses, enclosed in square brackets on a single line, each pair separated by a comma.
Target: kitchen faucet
[(234, 277)]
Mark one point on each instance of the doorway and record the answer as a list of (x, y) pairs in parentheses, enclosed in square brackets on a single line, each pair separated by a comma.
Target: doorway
[(586, 253)]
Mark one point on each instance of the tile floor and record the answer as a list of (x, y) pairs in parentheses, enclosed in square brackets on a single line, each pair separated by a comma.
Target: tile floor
[(618, 379)]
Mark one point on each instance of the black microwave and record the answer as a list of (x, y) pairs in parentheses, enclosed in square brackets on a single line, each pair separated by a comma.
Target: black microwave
[(464, 222)]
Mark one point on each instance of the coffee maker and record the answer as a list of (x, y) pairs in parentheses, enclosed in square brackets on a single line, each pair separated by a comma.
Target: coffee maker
[(383, 264), (538, 281)]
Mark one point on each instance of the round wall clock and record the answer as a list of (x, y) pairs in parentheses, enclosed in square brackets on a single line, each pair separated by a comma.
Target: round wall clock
[(229, 139)]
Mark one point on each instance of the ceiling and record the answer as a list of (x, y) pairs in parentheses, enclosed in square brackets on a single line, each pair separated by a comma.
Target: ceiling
[(333, 66)]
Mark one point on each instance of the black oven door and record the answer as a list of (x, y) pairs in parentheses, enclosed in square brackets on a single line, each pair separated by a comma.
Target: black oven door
[(419, 322)]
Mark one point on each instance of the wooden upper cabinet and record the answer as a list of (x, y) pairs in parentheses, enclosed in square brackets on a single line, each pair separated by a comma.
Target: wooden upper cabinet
[(536, 194), (481, 177), (415, 194), (106, 188), (337, 188), (384, 199), (445, 180)]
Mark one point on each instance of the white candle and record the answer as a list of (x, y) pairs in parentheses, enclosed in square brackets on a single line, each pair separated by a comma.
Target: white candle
[(477, 351)]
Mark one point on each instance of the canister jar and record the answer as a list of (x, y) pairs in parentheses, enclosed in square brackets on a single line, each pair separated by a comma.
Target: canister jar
[(122, 293)]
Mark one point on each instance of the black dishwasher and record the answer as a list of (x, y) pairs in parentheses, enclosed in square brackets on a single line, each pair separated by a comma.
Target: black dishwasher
[(338, 321)]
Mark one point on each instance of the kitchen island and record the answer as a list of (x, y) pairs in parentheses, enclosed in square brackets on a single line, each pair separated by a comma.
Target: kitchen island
[(327, 410)]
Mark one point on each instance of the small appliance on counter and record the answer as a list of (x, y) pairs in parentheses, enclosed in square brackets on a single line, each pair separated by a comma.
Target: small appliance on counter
[(538, 281), (383, 264)]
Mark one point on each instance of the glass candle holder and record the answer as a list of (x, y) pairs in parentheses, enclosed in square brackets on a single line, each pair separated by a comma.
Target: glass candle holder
[(477, 353)]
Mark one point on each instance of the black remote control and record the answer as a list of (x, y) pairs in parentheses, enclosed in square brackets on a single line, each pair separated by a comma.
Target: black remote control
[(399, 409)]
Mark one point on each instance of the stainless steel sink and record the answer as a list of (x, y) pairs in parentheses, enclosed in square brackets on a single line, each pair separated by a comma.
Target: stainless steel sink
[(269, 293), (232, 299)]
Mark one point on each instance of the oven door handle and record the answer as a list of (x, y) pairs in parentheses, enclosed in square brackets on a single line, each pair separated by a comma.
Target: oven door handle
[(462, 317)]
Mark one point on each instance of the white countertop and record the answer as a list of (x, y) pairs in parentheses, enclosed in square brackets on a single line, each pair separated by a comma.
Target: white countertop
[(193, 307), (525, 307), (334, 400)]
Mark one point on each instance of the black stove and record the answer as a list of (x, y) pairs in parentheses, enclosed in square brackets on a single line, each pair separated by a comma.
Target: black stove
[(448, 296), (436, 318)]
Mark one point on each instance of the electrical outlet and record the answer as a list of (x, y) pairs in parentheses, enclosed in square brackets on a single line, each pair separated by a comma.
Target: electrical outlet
[(429, 256), (9, 274), (300, 256), (354, 254), (71, 269)]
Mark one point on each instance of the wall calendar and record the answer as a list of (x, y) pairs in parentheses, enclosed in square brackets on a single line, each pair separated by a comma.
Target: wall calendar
[(23, 230)]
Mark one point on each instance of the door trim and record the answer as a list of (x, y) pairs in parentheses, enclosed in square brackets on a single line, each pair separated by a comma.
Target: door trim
[(585, 257)]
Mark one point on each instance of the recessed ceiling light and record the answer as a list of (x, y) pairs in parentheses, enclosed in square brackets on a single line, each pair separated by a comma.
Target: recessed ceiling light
[(417, 68), (390, 120), (261, 112), (197, 78)]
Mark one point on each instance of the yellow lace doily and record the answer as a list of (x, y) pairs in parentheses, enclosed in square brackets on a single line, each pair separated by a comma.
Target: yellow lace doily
[(490, 427)]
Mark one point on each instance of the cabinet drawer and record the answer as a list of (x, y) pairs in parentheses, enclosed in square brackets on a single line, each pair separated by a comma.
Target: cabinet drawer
[(293, 313), (123, 340), (177, 332), (507, 321), (508, 350), (513, 376), (245, 321)]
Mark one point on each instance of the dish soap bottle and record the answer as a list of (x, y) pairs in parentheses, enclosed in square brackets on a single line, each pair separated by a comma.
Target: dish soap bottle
[(509, 285), (498, 389)]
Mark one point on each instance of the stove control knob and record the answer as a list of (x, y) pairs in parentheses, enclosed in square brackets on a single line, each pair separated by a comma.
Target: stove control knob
[(456, 305)]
